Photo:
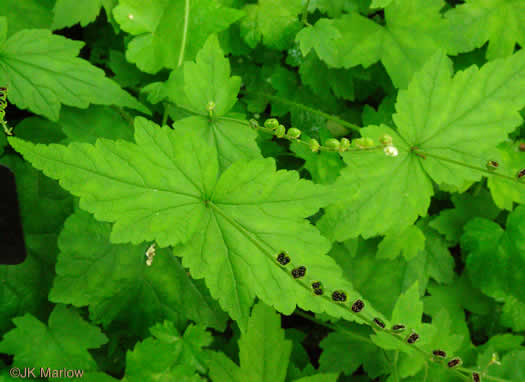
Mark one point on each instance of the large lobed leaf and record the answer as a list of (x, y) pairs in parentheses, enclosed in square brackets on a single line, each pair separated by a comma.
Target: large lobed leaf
[(460, 118), (42, 72), (229, 226)]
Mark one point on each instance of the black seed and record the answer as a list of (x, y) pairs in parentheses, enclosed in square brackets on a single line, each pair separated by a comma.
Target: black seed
[(476, 377), (298, 272), (318, 291), (316, 285), (454, 362), (358, 306), (283, 259), (339, 296), (398, 328), (439, 353), (379, 323), (412, 338), (521, 173), (492, 164)]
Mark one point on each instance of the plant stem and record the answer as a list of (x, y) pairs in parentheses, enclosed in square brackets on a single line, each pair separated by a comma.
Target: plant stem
[(304, 16), (305, 108)]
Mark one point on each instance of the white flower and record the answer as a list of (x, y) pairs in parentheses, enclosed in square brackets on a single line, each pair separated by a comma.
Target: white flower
[(391, 151), (150, 253), (131, 17)]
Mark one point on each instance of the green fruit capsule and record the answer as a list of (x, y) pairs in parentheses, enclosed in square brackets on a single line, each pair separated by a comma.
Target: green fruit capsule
[(345, 145), (364, 143), (280, 131), (314, 145), (271, 123), (386, 140), (293, 133), (333, 144)]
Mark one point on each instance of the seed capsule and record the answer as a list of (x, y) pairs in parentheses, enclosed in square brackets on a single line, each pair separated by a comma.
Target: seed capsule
[(385, 140), (293, 133), (439, 353), (358, 306), (339, 296), (379, 323), (314, 145), (476, 377), (298, 272), (412, 338), (521, 173), (522, 146), (345, 145), (454, 362), (398, 328), (318, 291), (492, 165), (283, 259), (316, 285), (333, 144), (253, 123), (280, 131), (271, 123)]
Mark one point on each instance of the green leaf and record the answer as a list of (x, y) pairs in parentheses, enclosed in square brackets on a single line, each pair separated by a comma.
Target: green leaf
[(463, 117), (208, 80), (321, 377), (500, 22), (116, 283), (408, 241), (451, 221), (511, 367), (505, 192), (354, 342), (168, 355), (274, 21), (170, 32), (264, 352), (126, 74), (168, 189), (450, 120), (414, 30), (43, 207), (45, 66), (496, 260), (67, 13), (66, 339), (27, 14), (380, 3), (393, 191)]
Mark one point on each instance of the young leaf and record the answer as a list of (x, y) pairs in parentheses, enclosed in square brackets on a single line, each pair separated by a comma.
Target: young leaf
[(409, 242), (450, 222), (496, 261), (28, 14), (43, 65), (459, 119), (168, 355), (170, 32), (168, 189), (116, 283), (275, 21), (67, 13), (264, 353), (66, 338), (500, 22), (413, 32)]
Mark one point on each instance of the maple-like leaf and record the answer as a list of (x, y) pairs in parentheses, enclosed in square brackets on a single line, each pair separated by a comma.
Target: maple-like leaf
[(169, 32), (42, 72), (229, 226), (453, 121)]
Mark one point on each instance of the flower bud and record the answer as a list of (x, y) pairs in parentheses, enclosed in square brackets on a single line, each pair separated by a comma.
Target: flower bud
[(271, 123), (385, 140), (364, 143), (211, 108), (293, 133), (332, 144), (280, 131), (314, 145), (345, 145)]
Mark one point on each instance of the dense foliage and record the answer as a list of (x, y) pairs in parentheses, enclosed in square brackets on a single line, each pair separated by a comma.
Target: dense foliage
[(242, 190)]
